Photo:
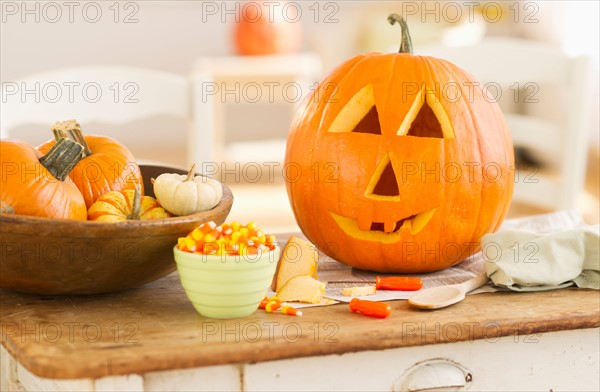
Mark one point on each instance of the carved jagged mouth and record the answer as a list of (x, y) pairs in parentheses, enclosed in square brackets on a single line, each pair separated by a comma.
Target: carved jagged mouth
[(380, 226), (386, 232)]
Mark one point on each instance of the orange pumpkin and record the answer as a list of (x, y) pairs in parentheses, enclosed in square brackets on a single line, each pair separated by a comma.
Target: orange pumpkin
[(107, 164), (387, 172), (36, 185), (264, 28), (5, 208), (125, 205)]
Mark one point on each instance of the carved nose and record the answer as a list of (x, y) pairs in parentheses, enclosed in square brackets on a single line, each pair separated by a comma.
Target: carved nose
[(383, 183)]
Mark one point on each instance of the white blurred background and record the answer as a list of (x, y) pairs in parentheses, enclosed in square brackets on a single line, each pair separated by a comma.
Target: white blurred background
[(170, 35)]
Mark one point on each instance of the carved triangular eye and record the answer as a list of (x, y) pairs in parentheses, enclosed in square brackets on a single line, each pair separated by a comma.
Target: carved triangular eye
[(359, 114), (426, 124), (427, 118), (369, 123)]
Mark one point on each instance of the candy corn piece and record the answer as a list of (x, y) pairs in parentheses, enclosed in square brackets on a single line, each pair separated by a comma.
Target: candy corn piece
[(273, 304), (290, 310), (263, 302)]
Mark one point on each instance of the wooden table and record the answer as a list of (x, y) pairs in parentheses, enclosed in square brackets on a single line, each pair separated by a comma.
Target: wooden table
[(152, 339)]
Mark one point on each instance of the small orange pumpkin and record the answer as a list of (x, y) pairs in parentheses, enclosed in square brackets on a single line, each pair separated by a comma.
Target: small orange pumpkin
[(262, 29), (125, 205), (388, 174), (106, 166), (36, 185), (5, 208)]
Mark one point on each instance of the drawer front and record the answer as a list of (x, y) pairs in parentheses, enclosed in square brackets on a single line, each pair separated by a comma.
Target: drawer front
[(566, 360)]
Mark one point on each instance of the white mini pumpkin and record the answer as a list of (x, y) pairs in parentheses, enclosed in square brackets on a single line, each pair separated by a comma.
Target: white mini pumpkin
[(184, 195)]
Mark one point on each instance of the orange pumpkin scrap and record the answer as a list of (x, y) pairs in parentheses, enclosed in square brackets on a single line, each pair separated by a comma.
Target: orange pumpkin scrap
[(264, 28), (38, 185), (107, 165), (401, 163), (125, 205)]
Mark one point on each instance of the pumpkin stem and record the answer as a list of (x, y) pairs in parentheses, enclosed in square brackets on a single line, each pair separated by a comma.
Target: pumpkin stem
[(406, 43), (62, 158), (6, 208), (71, 130), (135, 206), (190, 175)]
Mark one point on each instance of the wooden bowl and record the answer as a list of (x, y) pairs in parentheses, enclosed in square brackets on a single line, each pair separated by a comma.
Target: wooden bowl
[(55, 256)]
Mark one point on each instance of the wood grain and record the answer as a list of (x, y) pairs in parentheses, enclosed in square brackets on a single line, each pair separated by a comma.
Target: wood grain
[(57, 256), (156, 328)]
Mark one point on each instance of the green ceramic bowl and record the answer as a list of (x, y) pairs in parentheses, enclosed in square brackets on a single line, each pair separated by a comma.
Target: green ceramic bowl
[(226, 286)]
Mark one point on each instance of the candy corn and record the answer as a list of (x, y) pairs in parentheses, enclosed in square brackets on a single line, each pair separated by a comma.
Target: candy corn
[(273, 304), (228, 239), (290, 310), (263, 302)]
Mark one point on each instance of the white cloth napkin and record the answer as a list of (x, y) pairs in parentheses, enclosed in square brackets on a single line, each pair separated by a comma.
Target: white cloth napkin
[(527, 261)]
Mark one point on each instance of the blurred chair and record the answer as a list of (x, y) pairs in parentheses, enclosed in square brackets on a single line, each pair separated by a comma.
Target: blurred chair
[(267, 80), (530, 74), (105, 94)]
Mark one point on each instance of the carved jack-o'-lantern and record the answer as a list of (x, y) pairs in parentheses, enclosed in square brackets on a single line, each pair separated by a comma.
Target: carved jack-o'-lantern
[(403, 163)]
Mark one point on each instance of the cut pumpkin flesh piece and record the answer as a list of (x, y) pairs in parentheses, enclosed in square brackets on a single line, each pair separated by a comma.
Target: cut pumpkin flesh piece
[(302, 288), (298, 257)]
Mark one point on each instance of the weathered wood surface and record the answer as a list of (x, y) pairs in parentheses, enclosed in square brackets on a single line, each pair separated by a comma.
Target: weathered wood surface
[(156, 328)]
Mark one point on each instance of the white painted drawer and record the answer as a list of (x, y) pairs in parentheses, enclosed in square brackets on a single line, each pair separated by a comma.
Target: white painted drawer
[(566, 360)]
